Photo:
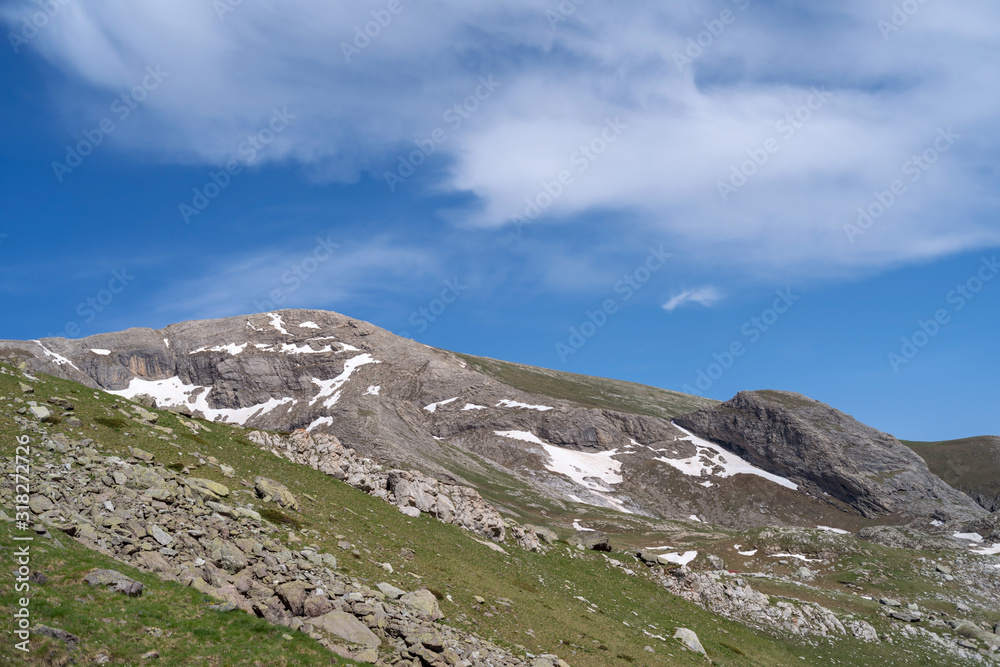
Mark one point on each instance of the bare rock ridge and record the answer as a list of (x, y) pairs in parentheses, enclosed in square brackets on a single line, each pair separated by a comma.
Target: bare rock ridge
[(570, 443), (830, 452)]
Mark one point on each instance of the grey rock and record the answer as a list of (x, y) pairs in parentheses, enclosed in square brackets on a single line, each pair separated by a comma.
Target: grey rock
[(276, 492), (57, 633), (116, 580), (906, 615), (591, 539), (160, 535), (690, 640), (40, 504), (423, 602), (829, 452), (390, 591), (348, 628), (40, 412)]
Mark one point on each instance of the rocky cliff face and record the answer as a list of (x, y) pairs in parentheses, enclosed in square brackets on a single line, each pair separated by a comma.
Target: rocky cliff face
[(560, 443), (831, 453)]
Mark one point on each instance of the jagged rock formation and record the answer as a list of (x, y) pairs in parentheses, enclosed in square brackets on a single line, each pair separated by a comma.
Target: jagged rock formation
[(829, 452)]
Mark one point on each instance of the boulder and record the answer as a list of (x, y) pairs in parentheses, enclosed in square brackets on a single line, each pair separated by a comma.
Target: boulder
[(690, 640), (423, 602), (116, 580), (591, 539), (347, 627), (160, 535), (546, 535), (276, 492), (390, 591), (40, 412), (227, 555), (293, 595), (206, 488), (40, 504)]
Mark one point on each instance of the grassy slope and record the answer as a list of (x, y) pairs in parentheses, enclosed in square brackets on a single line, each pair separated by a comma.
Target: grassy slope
[(589, 391), (971, 465), (543, 589)]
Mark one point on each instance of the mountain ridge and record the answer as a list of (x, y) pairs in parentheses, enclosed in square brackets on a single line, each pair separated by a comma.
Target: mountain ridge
[(472, 420)]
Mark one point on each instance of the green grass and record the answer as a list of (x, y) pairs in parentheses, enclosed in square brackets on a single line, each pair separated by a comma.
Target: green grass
[(589, 391), (545, 614)]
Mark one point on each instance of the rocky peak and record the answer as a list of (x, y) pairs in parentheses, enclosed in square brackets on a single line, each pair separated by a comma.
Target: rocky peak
[(829, 452)]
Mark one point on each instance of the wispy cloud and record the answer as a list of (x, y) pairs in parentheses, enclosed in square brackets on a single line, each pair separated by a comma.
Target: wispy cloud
[(706, 296), (688, 129)]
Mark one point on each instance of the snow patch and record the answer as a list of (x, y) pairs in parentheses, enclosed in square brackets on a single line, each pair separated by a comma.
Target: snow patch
[(57, 359), (473, 406), (167, 343), (839, 531), (596, 472), (971, 537), (706, 484), (515, 404), (103, 353), (797, 556), (694, 517), (173, 392), (434, 406), (710, 455), (320, 421), (988, 551), (937, 523), (579, 528), (278, 323), (309, 325), (680, 559), (330, 389), (372, 390), (231, 348), (752, 552)]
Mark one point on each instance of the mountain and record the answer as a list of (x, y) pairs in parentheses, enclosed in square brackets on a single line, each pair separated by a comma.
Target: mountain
[(538, 444), (367, 499), (830, 452), (971, 465)]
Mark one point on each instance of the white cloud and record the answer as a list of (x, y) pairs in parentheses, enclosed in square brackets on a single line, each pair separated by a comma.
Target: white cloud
[(685, 130), (706, 296)]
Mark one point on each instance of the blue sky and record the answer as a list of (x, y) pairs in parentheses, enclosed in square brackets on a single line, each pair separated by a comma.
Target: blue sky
[(633, 192)]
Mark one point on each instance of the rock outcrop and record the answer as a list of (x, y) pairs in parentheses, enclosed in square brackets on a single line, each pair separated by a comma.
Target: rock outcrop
[(458, 505), (829, 452)]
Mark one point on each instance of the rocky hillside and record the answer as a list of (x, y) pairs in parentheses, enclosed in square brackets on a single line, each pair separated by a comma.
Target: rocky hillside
[(201, 533), (971, 465), (831, 453), (537, 444)]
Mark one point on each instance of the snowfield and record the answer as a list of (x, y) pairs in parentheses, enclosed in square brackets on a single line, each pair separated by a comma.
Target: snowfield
[(173, 392), (330, 389), (710, 456), (597, 472), (524, 406)]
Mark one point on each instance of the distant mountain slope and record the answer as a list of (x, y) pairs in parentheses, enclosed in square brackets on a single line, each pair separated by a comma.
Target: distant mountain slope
[(971, 465), (831, 452), (535, 442)]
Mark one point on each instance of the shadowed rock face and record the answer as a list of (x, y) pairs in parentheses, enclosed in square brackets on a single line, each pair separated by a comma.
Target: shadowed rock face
[(829, 452), (412, 406)]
